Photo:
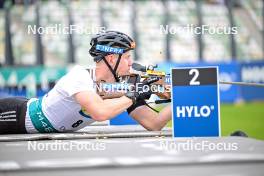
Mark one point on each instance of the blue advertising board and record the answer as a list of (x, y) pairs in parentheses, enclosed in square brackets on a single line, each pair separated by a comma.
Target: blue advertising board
[(229, 72), (252, 72), (123, 119)]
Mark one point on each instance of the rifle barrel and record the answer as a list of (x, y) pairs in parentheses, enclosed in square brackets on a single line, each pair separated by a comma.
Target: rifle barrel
[(242, 83)]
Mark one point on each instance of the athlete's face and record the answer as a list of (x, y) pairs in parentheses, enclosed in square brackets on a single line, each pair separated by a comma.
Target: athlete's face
[(125, 64)]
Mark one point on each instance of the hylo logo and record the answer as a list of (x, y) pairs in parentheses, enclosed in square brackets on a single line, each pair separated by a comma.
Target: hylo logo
[(194, 111)]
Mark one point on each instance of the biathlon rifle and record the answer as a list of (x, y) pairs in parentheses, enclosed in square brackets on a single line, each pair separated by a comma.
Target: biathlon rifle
[(156, 81)]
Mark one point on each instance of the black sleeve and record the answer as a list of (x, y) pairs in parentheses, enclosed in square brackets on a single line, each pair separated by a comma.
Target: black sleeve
[(140, 102)]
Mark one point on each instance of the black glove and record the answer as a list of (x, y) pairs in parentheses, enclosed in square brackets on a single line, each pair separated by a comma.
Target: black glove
[(142, 90), (145, 88), (138, 103)]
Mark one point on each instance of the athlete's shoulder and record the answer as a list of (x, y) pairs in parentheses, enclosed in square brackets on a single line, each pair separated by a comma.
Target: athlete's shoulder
[(76, 80), (82, 69), (76, 68), (77, 71)]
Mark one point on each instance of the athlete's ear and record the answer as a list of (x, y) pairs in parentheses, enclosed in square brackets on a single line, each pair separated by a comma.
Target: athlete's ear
[(111, 59)]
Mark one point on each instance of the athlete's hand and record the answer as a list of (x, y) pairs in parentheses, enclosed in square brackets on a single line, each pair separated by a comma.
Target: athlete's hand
[(166, 94), (142, 90)]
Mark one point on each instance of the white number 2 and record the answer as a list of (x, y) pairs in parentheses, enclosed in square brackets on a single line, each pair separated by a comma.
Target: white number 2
[(195, 74)]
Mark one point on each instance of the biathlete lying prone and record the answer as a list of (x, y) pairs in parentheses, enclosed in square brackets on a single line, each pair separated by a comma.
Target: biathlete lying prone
[(74, 103)]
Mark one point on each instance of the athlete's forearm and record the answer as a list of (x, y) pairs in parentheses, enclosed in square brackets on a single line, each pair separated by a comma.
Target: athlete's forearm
[(150, 119), (113, 107), (163, 117), (100, 109)]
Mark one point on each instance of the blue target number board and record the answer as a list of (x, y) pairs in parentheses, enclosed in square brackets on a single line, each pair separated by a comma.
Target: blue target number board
[(195, 102)]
